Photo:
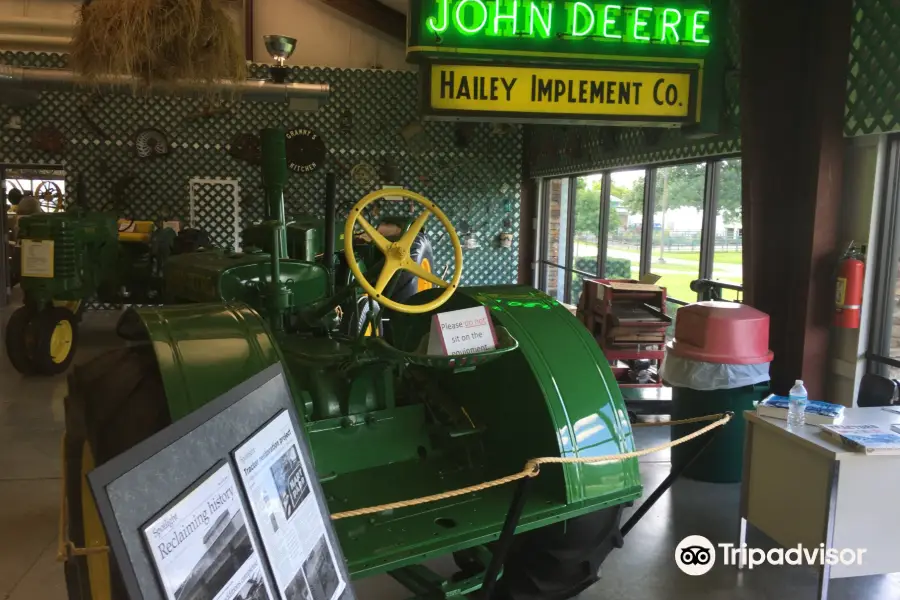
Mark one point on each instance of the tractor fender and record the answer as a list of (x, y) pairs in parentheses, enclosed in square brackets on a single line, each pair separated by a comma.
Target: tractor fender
[(204, 350), (556, 389)]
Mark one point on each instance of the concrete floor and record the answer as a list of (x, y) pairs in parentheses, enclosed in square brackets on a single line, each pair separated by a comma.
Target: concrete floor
[(31, 422)]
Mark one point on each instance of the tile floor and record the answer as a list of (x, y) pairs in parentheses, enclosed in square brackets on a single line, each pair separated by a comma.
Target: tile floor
[(31, 423)]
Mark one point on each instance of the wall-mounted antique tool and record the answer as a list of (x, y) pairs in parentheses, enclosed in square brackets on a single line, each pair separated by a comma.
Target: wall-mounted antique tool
[(149, 143), (245, 147), (48, 139)]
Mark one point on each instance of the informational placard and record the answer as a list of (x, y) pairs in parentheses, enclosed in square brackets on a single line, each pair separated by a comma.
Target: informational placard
[(162, 504), (289, 520), (528, 92), (463, 331), (37, 258), (202, 547)]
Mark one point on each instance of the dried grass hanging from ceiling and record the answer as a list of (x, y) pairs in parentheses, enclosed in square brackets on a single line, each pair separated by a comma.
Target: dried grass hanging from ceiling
[(157, 41)]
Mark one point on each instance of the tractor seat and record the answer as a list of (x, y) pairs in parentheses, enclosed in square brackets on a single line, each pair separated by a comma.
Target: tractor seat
[(131, 230), (131, 236), (454, 362)]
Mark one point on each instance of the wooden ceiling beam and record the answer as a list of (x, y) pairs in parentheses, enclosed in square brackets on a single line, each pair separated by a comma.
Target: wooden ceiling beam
[(374, 14)]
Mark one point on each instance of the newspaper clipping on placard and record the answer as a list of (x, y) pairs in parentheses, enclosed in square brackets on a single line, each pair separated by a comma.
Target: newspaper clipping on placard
[(202, 548), (290, 523)]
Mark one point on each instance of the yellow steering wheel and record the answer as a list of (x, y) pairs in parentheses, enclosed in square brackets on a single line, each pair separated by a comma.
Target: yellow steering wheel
[(397, 254)]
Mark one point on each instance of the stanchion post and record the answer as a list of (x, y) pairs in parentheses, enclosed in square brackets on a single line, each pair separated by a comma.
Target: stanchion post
[(669, 480), (504, 542)]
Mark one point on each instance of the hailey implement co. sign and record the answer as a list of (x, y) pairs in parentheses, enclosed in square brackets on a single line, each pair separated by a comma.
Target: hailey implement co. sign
[(560, 61), (529, 92)]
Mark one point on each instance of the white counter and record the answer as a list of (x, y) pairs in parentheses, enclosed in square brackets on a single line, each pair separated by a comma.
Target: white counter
[(800, 487)]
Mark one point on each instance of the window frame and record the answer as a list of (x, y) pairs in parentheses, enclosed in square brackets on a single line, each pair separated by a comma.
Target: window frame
[(886, 265)]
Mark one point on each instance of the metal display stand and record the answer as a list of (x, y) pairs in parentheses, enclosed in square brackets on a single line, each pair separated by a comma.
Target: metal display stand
[(136, 485)]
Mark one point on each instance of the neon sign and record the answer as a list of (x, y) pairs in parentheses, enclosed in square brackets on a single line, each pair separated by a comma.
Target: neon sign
[(646, 23)]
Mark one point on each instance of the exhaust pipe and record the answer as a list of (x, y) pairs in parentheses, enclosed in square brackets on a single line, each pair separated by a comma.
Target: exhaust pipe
[(330, 217), (298, 96)]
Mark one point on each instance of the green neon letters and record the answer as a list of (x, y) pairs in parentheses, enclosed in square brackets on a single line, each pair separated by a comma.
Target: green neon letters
[(640, 23), (578, 21), (512, 17), (468, 25), (544, 20), (699, 27), (579, 27), (608, 20), (668, 25)]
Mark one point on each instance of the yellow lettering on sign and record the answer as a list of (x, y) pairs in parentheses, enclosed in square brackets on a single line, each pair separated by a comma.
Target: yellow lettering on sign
[(561, 91)]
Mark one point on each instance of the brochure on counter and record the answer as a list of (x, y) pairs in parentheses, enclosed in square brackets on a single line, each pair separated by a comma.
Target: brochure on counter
[(291, 527), (865, 438), (201, 545)]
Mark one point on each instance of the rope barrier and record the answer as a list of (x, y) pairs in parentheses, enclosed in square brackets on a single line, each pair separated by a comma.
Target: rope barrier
[(533, 468)]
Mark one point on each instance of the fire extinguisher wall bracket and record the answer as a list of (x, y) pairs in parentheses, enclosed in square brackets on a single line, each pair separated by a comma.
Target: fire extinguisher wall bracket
[(848, 289)]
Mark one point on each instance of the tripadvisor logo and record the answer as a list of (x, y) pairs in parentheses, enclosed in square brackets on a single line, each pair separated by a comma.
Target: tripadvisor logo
[(696, 555)]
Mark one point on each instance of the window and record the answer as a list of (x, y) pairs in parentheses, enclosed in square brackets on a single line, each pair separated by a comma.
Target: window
[(884, 258), (728, 251), (679, 222), (50, 191), (586, 231), (677, 228), (626, 215)]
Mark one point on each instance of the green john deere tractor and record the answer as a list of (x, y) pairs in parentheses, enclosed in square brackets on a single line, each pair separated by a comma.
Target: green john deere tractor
[(70, 258), (385, 421)]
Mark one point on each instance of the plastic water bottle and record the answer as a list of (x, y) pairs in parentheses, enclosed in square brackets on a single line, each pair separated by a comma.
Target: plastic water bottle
[(797, 401)]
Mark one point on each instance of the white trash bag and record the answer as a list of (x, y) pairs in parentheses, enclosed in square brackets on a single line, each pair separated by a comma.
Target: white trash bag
[(687, 373)]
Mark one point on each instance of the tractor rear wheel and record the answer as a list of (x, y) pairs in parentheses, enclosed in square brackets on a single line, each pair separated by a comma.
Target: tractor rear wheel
[(55, 331), (20, 339), (115, 401), (560, 561)]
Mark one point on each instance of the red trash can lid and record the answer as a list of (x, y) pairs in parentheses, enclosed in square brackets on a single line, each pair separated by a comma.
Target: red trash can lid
[(722, 332)]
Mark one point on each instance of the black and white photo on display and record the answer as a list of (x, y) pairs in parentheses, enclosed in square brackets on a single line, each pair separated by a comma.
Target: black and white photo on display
[(227, 547), (201, 545), (287, 471), (297, 589), (321, 573), (292, 522), (254, 588)]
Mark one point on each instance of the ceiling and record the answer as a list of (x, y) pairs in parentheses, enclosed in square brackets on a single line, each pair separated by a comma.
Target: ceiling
[(398, 5)]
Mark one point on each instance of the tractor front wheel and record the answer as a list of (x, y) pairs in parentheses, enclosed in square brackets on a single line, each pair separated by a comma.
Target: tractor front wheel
[(20, 339), (55, 331)]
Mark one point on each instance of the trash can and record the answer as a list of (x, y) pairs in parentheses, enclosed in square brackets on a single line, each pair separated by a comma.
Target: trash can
[(718, 361)]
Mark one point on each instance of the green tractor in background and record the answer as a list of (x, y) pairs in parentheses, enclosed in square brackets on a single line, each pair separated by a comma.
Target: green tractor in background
[(70, 258), (385, 421), (67, 258)]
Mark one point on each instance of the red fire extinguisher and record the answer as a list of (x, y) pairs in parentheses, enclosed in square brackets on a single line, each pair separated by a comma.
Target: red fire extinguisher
[(849, 288)]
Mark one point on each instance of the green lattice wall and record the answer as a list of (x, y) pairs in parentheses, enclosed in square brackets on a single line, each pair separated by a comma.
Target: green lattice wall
[(873, 86), (872, 106), (475, 182)]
